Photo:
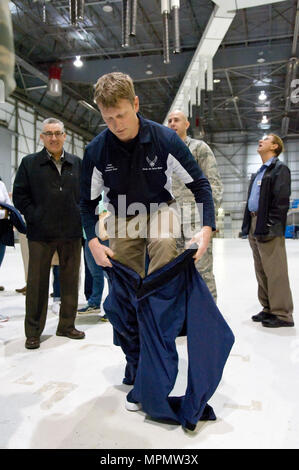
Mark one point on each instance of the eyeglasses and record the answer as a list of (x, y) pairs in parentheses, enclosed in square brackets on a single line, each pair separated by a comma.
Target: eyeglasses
[(51, 134)]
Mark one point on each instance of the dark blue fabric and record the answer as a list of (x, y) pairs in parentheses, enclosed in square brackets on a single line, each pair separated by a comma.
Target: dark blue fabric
[(56, 282), (6, 225), (97, 273), (172, 299), (121, 308), (88, 277), (2, 252)]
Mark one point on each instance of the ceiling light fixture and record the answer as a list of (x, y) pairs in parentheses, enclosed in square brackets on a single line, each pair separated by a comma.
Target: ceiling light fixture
[(216, 80), (262, 96), (107, 8), (264, 119), (78, 62)]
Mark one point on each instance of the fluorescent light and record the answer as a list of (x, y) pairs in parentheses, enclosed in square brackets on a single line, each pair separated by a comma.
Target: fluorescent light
[(78, 62), (264, 119), (262, 82)]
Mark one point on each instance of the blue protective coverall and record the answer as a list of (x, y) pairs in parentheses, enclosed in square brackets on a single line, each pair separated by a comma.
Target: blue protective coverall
[(147, 315)]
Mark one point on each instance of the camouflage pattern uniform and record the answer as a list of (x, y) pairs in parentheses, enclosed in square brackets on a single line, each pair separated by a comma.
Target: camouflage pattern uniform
[(207, 162), (7, 56)]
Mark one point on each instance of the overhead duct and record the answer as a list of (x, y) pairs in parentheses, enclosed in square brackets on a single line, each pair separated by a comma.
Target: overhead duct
[(76, 11), (165, 15), (175, 8), (73, 12), (214, 33), (80, 9), (44, 12), (133, 17), (44, 9), (125, 23), (291, 76), (54, 84)]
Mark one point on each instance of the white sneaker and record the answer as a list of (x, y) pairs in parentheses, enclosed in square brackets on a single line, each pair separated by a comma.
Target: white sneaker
[(132, 406), (3, 317), (56, 307)]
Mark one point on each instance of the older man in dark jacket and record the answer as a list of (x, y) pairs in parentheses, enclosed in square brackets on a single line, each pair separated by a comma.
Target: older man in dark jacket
[(264, 223), (46, 191)]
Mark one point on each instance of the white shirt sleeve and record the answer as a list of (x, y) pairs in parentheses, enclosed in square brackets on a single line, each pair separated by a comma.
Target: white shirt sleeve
[(4, 197)]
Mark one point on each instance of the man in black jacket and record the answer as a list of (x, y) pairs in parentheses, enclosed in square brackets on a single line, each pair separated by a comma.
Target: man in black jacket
[(264, 223), (47, 191)]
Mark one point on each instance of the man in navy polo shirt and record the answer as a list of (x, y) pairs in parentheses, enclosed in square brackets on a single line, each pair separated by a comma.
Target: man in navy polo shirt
[(132, 162)]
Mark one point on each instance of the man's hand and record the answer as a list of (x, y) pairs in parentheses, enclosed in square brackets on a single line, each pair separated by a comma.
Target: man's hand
[(202, 239), (5, 212), (100, 253)]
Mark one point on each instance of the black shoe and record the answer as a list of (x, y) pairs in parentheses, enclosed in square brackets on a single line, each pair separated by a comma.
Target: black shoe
[(72, 334), (22, 290), (32, 343), (276, 322), (261, 316)]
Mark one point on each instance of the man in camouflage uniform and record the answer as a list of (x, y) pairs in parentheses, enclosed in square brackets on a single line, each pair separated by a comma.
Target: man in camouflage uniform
[(207, 162), (7, 57)]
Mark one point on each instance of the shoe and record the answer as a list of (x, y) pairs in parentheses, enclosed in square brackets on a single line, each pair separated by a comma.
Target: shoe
[(1, 288), (130, 406), (261, 316), (3, 318), (90, 309), (32, 343), (22, 290), (189, 426), (104, 318), (56, 307), (276, 322), (72, 334)]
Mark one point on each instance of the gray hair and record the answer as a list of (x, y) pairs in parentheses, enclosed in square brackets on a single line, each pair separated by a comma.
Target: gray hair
[(53, 121)]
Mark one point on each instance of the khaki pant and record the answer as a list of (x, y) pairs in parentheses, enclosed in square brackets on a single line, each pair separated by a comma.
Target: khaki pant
[(271, 269), (25, 252), (204, 266), (130, 237)]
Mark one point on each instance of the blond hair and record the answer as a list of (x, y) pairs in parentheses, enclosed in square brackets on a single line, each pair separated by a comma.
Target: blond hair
[(112, 87), (277, 140)]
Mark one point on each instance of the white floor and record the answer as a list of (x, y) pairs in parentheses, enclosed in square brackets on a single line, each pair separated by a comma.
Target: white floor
[(68, 394)]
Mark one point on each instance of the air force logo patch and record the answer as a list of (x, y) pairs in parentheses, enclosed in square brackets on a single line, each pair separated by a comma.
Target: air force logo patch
[(153, 162)]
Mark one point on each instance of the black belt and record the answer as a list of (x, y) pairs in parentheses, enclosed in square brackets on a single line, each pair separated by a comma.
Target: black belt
[(253, 214)]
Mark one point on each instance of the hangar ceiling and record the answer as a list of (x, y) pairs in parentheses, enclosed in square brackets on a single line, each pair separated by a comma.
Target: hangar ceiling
[(258, 53)]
